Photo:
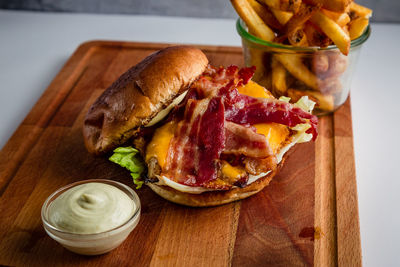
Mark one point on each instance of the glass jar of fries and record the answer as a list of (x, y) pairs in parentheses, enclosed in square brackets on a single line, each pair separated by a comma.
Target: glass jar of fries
[(323, 74)]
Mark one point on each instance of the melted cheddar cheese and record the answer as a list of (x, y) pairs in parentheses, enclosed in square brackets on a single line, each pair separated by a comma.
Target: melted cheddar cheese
[(158, 147), (254, 90), (275, 133), (232, 173)]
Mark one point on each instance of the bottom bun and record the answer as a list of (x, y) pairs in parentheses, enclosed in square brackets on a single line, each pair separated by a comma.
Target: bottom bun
[(214, 198)]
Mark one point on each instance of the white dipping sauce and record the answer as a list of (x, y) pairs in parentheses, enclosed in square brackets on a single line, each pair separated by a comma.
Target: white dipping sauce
[(91, 208)]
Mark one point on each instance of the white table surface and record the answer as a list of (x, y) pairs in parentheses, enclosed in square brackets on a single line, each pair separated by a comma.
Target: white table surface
[(34, 47)]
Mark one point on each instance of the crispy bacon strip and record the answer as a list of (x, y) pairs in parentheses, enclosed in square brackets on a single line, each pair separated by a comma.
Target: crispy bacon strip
[(197, 144), (250, 110), (214, 79), (245, 109), (241, 140), (211, 140), (245, 74), (181, 145), (211, 83)]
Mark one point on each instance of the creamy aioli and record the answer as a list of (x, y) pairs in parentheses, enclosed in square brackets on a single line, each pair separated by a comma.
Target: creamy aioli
[(91, 208)]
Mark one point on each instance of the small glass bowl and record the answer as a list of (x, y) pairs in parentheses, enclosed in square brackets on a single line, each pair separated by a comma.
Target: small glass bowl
[(91, 244), (324, 74)]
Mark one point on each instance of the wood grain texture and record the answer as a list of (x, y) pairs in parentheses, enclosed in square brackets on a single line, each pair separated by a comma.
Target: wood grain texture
[(348, 225), (314, 195), (325, 193), (271, 222)]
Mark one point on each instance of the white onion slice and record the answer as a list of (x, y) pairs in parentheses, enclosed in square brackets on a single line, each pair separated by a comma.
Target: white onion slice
[(162, 180), (163, 113)]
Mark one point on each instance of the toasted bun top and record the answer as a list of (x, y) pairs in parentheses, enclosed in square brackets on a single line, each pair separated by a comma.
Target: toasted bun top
[(139, 94)]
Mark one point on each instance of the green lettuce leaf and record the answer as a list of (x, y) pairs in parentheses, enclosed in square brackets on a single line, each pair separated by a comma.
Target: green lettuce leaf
[(305, 104), (284, 99), (301, 136), (129, 158)]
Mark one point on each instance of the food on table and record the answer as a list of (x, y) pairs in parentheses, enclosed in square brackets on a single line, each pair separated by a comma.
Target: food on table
[(91, 208), (202, 135), (91, 217), (318, 73)]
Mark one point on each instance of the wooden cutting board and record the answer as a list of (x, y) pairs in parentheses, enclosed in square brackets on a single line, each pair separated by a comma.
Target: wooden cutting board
[(308, 215)]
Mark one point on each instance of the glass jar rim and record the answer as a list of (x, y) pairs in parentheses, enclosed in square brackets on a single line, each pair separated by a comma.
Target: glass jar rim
[(59, 191), (240, 27)]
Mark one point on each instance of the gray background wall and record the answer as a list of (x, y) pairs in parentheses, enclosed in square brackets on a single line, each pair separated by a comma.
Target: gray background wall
[(384, 10)]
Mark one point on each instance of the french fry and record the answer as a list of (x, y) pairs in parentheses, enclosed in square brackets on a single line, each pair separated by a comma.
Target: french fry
[(333, 31), (335, 61), (333, 5), (276, 4), (296, 67), (337, 64), (357, 27), (359, 11), (315, 37), (298, 20), (257, 59), (298, 38), (266, 15), (252, 20), (330, 86), (345, 28), (291, 5), (323, 102), (278, 77), (266, 80), (284, 5), (320, 63), (305, 23), (282, 16), (341, 19)]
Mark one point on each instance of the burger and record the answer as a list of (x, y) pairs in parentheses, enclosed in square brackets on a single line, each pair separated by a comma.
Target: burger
[(197, 135)]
